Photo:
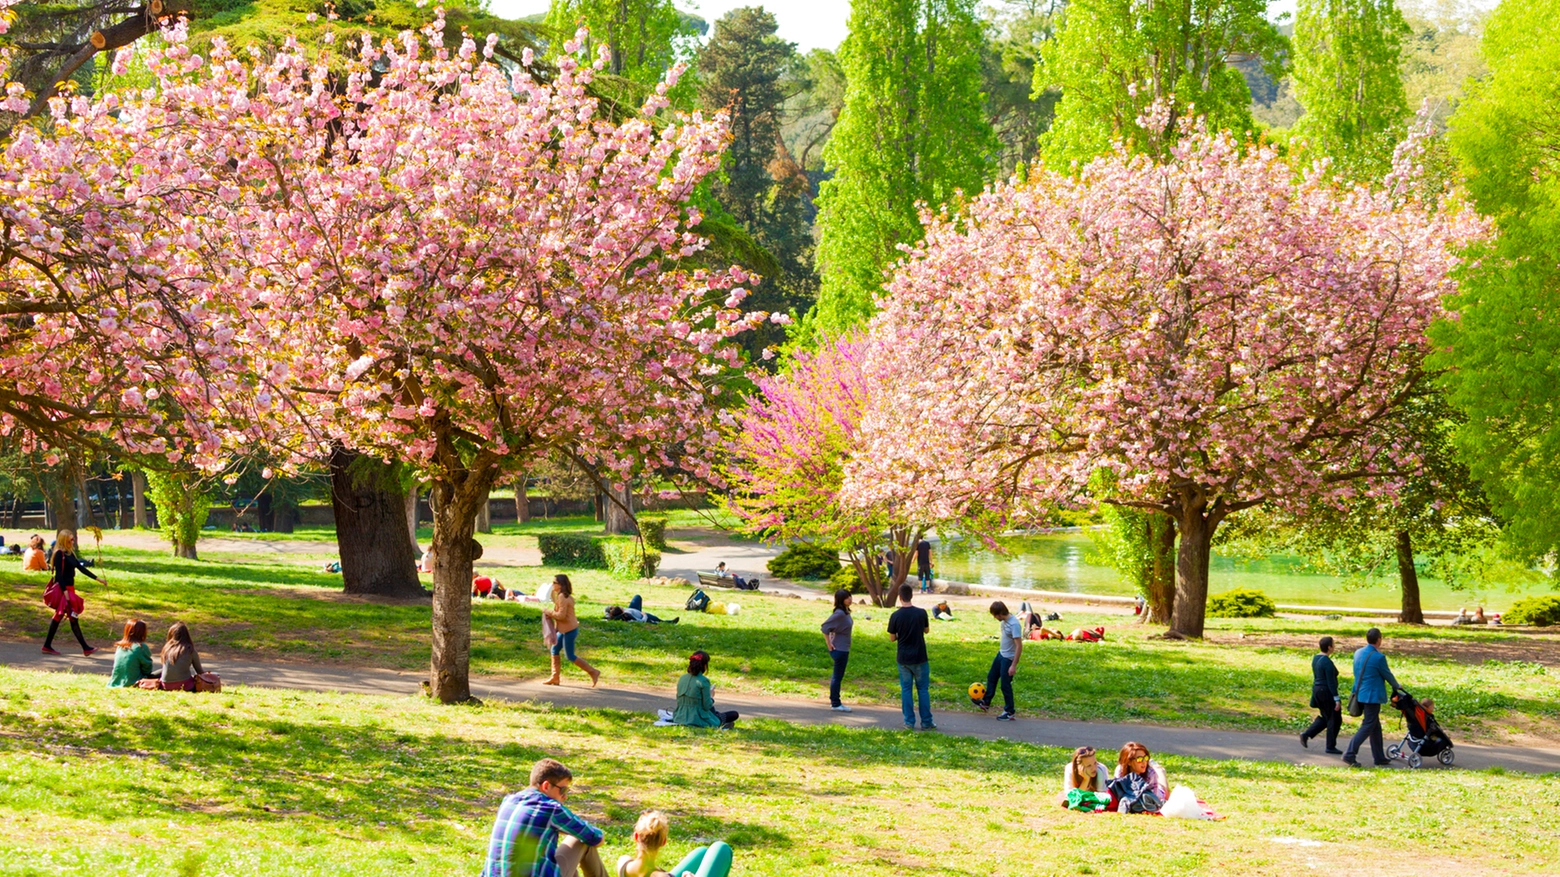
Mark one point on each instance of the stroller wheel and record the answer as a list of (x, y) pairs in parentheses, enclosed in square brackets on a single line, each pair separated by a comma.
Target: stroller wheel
[(1414, 760), (1445, 756), (1393, 750)]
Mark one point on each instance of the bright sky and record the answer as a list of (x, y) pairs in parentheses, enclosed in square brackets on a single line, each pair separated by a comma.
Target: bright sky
[(811, 24)]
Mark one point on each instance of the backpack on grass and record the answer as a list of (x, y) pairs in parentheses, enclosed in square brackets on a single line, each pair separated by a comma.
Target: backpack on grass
[(698, 601)]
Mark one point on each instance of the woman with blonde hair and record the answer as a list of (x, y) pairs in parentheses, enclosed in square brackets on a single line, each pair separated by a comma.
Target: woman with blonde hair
[(64, 564), (651, 833), (180, 662)]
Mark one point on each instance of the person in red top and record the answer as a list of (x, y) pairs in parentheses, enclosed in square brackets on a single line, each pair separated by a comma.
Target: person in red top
[(63, 564)]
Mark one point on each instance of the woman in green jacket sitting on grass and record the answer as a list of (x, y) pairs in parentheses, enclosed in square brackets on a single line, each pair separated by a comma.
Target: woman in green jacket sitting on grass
[(132, 657), (696, 698)]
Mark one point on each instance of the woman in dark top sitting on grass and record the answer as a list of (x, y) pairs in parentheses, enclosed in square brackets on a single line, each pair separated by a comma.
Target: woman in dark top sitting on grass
[(180, 663), (63, 564)]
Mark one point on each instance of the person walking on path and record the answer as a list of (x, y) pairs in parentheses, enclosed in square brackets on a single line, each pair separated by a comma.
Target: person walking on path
[(1324, 697), (907, 628), (567, 622), (1371, 677), (536, 835), (1005, 664), (923, 564), (132, 657), (64, 563), (836, 632), (696, 698)]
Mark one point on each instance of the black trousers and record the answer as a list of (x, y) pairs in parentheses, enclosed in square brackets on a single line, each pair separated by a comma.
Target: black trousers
[(1328, 718), (998, 674), (1370, 727)]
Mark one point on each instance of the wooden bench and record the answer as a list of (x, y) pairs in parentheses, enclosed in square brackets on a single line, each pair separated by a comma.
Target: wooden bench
[(710, 580)]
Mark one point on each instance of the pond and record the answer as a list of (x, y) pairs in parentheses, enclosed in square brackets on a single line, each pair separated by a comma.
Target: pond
[(1068, 562)]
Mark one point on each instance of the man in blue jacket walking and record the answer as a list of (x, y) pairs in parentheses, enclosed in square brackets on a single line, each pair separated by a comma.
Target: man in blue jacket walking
[(1371, 677)]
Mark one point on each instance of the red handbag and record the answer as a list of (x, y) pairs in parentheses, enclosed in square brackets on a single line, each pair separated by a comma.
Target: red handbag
[(52, 595)]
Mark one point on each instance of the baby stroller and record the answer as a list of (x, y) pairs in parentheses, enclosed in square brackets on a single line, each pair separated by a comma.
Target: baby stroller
[(1425, 737)]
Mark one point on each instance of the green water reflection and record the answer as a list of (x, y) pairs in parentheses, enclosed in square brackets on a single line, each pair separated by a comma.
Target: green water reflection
[(1064, 562)]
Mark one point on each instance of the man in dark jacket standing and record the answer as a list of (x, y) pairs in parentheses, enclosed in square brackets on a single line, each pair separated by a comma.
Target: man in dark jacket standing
[(1324, 697), (1371, 677)]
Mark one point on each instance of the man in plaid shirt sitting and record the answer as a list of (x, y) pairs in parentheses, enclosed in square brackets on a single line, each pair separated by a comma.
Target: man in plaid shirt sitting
[(526, 840)]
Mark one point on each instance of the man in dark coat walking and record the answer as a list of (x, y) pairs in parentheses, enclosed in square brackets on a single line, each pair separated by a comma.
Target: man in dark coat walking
[(1324, 697)]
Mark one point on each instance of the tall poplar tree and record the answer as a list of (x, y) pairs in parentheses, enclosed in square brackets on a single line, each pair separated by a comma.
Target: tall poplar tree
[(1502, 350), (1111, 59), (1348, 77), (913, 129), (645, 37)]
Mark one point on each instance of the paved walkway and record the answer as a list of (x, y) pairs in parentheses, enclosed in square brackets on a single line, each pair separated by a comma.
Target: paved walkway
[(1201, 743)]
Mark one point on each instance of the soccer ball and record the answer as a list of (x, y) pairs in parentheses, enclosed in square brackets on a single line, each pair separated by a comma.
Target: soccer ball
[(977, 691)]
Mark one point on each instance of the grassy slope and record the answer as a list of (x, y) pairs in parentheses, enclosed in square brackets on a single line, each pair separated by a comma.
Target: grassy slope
[(282, 608), (256, 782)]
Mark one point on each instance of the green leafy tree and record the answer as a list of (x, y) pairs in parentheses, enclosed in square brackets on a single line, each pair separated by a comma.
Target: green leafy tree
[(1111, 59), (1348, 77), (182, 505), (913, 130), (742, 72), (1440, 54), (1503, 347), (815, 89), (645, 37), (1017, 33)]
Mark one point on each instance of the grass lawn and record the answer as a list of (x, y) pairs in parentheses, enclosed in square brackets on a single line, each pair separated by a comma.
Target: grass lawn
[(262, 782), (267, 606)]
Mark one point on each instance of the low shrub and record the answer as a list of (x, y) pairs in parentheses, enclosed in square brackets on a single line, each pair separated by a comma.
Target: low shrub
[(847, 579), (575, 550), (654, 532), (627, 559), (805, 561), (1241, 603), (1542, 611)]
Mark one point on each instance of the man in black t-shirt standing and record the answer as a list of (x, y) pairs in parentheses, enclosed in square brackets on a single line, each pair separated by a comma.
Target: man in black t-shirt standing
[(923, 564), (907, 627)]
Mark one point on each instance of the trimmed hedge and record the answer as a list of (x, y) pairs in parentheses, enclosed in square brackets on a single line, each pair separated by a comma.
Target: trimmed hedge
[(1542, 611), (654, 531), (1241, 603), (805, 561), (847, 579), (627, 560), (571, 550)]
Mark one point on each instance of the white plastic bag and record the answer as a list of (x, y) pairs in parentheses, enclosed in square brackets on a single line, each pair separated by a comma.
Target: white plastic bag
[(1182, 805)]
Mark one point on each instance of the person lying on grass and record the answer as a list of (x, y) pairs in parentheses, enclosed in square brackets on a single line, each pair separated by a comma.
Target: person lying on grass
[(1085, 774), (1140, 785), (536, 835), (651, 833)]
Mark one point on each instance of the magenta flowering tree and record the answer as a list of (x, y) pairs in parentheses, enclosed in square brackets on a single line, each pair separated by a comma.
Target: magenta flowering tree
[(788, 452), (422, 256), (1211, 329)]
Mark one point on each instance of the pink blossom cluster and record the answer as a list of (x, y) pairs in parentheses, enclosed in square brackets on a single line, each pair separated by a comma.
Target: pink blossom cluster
[(421, 255), (1211, 328)]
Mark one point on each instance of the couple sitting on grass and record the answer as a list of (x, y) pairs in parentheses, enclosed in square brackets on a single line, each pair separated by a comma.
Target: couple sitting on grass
[(536, 835), (1137, 786), (181, 669)]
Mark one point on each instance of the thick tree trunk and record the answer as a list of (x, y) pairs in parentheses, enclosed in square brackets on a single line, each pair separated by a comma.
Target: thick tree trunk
[(138, 499), (186, 550), (619, 512), (1408, 580), (59, 508), (376, 552), (485, 515), (1161, 573), (600, 504), (454, 551), (522, 502), (1191, 574)]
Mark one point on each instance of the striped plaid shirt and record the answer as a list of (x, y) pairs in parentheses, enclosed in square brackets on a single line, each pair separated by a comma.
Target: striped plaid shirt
[(525, 836)]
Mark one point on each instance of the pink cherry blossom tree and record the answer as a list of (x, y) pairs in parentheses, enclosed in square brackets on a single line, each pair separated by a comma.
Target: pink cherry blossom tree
[(1213, 329), (438, 261), (788, 450)]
